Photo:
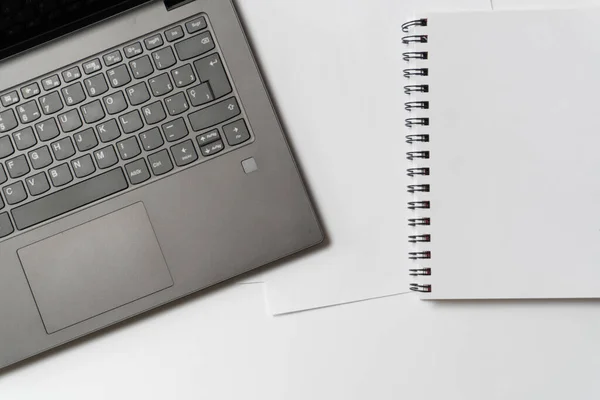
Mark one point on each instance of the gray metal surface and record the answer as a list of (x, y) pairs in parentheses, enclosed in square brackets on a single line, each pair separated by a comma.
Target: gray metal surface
[(212, 221)]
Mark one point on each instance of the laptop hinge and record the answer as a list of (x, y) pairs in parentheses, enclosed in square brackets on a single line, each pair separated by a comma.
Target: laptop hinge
[(173, 4)]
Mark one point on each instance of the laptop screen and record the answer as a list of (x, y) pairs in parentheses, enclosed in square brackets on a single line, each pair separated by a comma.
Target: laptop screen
[(28, 23)]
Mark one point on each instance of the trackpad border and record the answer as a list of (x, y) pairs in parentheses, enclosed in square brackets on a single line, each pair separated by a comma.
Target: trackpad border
[(95, 267)]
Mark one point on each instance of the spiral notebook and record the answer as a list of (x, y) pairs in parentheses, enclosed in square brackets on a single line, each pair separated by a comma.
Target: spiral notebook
[(504, 126)]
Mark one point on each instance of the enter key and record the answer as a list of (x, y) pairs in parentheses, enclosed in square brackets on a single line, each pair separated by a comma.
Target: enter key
[(210, 69)]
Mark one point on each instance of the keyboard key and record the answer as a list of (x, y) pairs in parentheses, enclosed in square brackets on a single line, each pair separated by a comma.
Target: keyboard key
[(175, 130), (60, 175), (183, 76), (92, 112), (128, 148), (3, 178), (138, 94), (196, 25), (9, 99), (69, 121), (14, 193), (71, 74), (17, 167), (106, 157), (112, 58), (108, 131), (51, 103), (154, 113), (177, 104), (63, 149), (30, 90), (115, 103), (69, 199), (151, 139), (142, 67), (24, 138), (212, 149), (137, 171), (200, 94), (86, 140), (40, 158), (96, 85), (161, 85), (8, 121), (131, 122), (73, 94), (83, 166), (119, 76), (6, 147), (164, 58), (160, 163), (92, 66), (236, 132), (209, 137), (51, 82), (153, 42), (210, 69), (47, 130), (6, 227), (37, 184), (194, 46), (184, 153), (133, 50), (215, 114), (28, 112), (174, 33)]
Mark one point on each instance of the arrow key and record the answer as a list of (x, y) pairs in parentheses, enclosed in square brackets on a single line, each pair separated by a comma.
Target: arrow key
[(236, 132), (184, 153), (212, 149), (209, 137)]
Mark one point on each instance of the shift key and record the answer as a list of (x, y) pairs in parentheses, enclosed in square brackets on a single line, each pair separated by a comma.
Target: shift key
[(215, 114)]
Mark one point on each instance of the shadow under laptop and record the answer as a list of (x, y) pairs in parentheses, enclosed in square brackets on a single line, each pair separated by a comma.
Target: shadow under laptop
[(104, 332)]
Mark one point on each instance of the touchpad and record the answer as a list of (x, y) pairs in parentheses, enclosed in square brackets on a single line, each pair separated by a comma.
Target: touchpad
[(95, 267)]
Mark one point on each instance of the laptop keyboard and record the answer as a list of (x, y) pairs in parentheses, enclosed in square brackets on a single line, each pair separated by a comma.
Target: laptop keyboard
[(120, 119)]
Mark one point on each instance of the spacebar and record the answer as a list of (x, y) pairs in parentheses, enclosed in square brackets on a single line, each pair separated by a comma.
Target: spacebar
[(69, 199)]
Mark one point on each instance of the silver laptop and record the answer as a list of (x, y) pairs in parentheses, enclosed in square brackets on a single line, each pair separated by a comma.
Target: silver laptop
[(141, 160)]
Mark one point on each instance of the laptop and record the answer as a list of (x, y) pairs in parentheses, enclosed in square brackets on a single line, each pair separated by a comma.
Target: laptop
[(141, 160)]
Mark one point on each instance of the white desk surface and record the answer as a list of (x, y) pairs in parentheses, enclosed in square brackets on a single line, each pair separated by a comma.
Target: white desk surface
[(225, 345)]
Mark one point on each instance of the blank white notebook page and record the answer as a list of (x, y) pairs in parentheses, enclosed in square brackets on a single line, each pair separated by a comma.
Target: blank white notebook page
[(515, 154)]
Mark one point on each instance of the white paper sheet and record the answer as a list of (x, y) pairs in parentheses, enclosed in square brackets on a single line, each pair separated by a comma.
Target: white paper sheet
[(335, 71)]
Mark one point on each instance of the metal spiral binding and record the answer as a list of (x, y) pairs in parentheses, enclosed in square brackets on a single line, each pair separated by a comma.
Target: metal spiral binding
[(420, 272), (415, 55), (419, 205), (410, 89), (415, 105), (415, 287), (415, 123), (418, 171), (416, 72), (417, 138), (416, 22)]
